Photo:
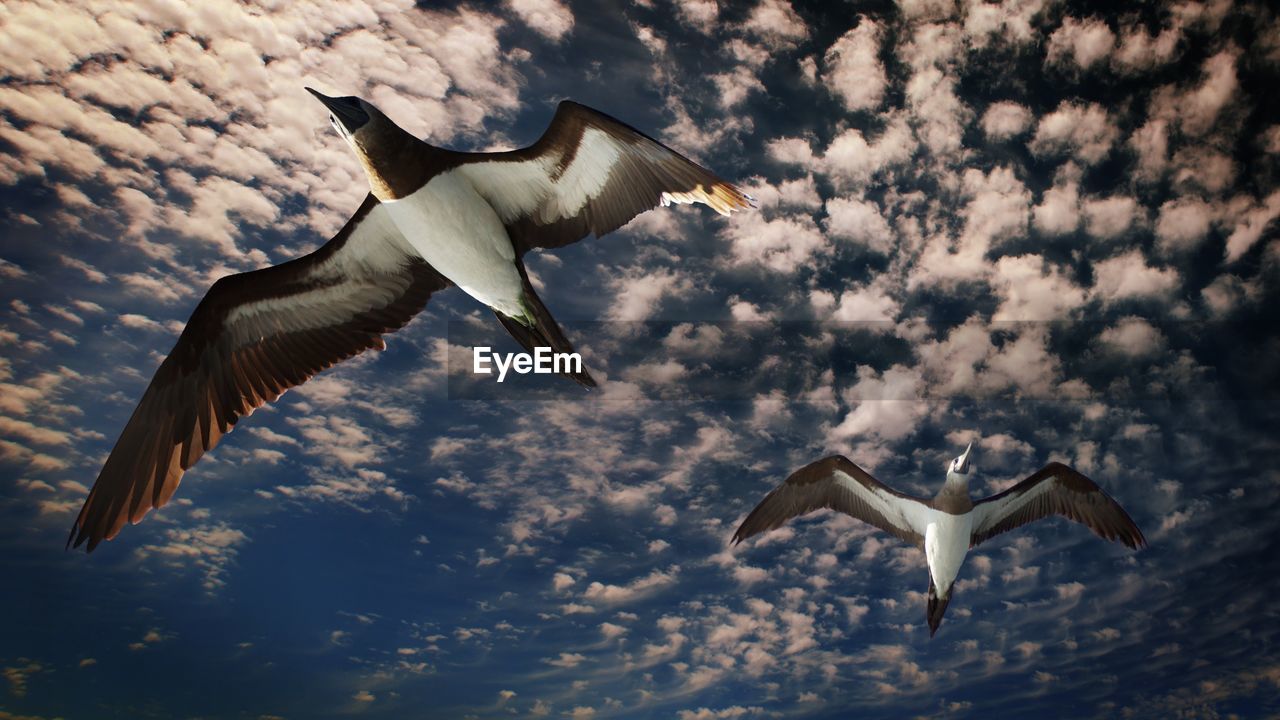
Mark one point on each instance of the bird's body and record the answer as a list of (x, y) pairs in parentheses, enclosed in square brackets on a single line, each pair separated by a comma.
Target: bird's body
[(950, 523), (433, 218), (459, 234), (946, 543)]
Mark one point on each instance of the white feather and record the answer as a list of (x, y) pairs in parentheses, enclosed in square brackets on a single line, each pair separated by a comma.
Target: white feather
[(460, 234)]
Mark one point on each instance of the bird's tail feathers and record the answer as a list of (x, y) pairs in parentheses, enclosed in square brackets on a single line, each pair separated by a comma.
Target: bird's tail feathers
[(937, 606), (538, 329)]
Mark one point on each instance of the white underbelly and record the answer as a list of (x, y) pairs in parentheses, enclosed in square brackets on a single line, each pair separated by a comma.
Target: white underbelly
[(946, 542), (458, 232)]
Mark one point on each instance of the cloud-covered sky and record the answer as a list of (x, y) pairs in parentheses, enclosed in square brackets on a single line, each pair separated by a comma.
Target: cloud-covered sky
[(1033, 225)]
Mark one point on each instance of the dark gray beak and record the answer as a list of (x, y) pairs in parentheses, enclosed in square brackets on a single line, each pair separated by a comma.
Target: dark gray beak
[(346, 110)]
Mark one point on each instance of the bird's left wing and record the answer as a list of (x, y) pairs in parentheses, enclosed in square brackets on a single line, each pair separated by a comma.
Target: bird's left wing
[(253, 336), (1055, 490), (837, 483), (589, 173)]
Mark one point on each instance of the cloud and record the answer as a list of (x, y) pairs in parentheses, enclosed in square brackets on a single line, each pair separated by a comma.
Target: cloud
[(853, 69), (781, 243), (1133, 337), (1059, 210), (1110, 217), (1250, 225), (1082, 43), (859, 221), (1198, 108), (565, 660), (1129, 276), (776, 23), (1140, 52), (210, 548), (634, 590), (1183, 223), (1005, 119), (1031, 289), (169, 170), (550, 18), (885, 405), (851, 159), (638, 293), (1085, 131)]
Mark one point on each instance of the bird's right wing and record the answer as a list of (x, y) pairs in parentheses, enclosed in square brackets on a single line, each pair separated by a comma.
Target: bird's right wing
[(1055, 489), (836, 483), (253, 336), (589, 174)]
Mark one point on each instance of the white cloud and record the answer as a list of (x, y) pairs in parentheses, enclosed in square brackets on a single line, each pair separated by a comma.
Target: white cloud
[(859, 221), (1059, 210), (776, 23), (852, 159), (1080, 42), (1199, 108), (1086, 131), (1005, 119), (1139, 52), (782, 242), (940, 115), (637, 294), (854, 72), (1008, 21), (1030, 289), (1183, 223), (1129, 276), (551, 18), (886, 405), (636, 589), (1110, 217), (1250, 224), (186, 69), (866, 304), (734, 87), (1227, 293), (702, 14), (1151, 143), (1134, 337)]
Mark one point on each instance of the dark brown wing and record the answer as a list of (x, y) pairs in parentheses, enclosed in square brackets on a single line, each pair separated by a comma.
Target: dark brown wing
[(1055, 490), (589, 173), (836, 483), (253, 336)]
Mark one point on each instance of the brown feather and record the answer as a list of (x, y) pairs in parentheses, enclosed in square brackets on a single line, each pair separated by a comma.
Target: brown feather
[(210, 379), (1069, 494), (814, 487)]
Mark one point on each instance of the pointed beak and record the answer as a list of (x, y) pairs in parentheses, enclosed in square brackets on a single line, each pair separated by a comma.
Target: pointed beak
[(964, 459), (346, 110)]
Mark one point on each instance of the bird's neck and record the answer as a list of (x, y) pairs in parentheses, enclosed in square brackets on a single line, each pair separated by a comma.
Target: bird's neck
[(395, 162), (956, 486)]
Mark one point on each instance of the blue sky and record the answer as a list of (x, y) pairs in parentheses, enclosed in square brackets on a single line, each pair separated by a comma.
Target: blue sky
[(1044, 227)]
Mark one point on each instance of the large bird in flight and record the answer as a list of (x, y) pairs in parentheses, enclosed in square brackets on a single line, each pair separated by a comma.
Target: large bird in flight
[(433, 218), (951, 523)]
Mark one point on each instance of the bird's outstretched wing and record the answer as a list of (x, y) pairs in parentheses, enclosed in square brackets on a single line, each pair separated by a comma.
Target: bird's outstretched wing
[(836, 483), (1055, 490), (253, 336), (589, 173)]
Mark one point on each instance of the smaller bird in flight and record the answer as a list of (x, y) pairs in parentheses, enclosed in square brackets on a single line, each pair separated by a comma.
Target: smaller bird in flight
[(947, 526)]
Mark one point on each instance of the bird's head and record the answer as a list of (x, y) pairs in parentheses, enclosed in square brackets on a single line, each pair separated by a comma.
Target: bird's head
[(376, 140), (958, 470), (349, 115)]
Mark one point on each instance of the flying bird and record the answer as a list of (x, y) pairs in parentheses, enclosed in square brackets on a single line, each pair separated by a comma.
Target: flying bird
[(433, 218), (947, 526)]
